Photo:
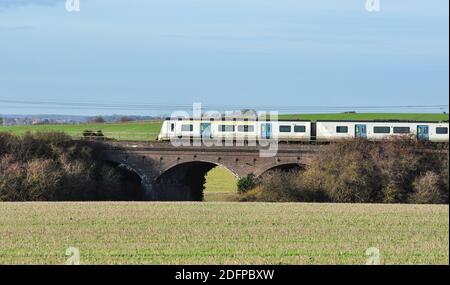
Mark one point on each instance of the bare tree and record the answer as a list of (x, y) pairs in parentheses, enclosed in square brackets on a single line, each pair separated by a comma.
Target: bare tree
[(125, 119), (98, 119)]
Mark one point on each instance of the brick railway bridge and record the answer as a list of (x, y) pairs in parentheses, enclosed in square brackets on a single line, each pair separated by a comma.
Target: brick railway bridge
[(178, 173)]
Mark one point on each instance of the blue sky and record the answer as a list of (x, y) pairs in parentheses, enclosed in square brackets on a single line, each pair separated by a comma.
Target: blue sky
[(233, 52)]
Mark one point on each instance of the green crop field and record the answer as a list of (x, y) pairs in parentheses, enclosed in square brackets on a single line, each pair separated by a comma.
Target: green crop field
[(222, 233), (143, 130)]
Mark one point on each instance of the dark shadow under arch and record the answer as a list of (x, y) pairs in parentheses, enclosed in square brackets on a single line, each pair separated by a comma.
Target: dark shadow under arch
[(184, 181), (131, 182), (288, 167)]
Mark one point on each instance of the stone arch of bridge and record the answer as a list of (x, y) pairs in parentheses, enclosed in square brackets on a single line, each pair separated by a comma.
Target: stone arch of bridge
[(126, 165), (186, 180), (131, 179), (289, 166)]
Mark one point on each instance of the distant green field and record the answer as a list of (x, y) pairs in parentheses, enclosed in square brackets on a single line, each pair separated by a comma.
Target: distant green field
[(222, 233), (144, 130)]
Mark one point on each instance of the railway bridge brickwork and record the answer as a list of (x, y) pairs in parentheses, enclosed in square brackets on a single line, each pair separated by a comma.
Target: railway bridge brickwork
[(178, 173)]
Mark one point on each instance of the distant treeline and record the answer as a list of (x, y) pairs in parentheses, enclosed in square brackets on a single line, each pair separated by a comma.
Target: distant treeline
[(26, 120), (52, 167), (359, 171)]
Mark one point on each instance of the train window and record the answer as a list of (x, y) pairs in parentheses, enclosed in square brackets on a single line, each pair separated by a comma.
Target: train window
[(401, 130), (245, 128), (381, 130), (172, 127), (285, 129), (341, 129), (442, 130), (187, 128), (299, 129), (226, 128)]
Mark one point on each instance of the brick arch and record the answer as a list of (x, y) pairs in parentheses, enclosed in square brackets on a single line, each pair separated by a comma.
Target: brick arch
[(186, 179), (129, 166), (138, 177), (280, 166), (180, 164), (145, 167)]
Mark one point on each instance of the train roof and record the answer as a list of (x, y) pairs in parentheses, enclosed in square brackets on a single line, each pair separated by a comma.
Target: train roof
[(299, 120), (235, 119)]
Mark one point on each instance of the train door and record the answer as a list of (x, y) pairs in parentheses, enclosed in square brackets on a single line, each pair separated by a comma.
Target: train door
[(205, 130), (360, 131), (423, 132), (266, 130), (313, 131)]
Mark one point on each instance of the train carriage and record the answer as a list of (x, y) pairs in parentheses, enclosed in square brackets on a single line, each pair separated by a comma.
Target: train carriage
[(237, 130), (298, 130), (377, 130)]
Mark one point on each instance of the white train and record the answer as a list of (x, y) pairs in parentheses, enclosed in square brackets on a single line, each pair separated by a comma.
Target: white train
[(297, 130)]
